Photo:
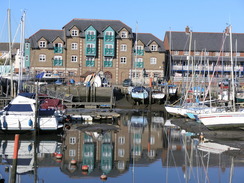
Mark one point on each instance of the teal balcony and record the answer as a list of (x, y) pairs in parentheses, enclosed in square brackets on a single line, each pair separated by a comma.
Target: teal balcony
[(58, 49), (139, 64), (109, 38), (109, 52), (107, 63), (90, 63), (90, 37), (91, 51), (139, 52), (57, 62)]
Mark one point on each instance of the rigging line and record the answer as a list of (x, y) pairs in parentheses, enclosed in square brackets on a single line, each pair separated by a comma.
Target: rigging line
[(211, 78), (204, 168)]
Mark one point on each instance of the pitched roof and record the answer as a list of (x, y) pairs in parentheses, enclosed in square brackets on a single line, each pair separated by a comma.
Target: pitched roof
[(49, 35), (205, 40), (147, 39), (98, 24), (4, 47)]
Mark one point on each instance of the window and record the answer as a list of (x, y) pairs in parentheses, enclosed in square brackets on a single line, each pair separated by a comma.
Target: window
[(74, 32), (206, 53), (72, 140), (42, 44), (42, 58), (109, 33), (154, 47), (121, 140), (90, 62), (238, 54), (74, 58), (139, 47), (90, 35), (123, 34), (217, 53), (153, 60), (27, 46), (108, 62), (227, 54), (123, 60), (121, 153), (91, 32), (176, 53), (123, 47), (58, 45), (72, 152), (197, 53), (186, 52), (58, 61), (27, 57), (74, 46), (71, 74)]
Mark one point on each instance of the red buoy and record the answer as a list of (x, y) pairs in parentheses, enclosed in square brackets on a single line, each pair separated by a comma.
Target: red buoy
[(73, 162), (84, 167), (59, 156), (103, 177)]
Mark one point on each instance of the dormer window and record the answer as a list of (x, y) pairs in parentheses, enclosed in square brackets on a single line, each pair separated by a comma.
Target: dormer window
[(154, 47), (123, 34), (74, 32), (42, 44)]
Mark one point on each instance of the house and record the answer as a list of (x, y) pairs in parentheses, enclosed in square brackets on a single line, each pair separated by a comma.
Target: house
[(94, 45)]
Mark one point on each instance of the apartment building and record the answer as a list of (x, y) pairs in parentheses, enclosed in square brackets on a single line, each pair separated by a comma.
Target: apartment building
[(204, 52), (91, 45)]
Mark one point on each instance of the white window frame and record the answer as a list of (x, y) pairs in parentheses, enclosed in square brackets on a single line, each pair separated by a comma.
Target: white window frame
[(217, 54), (42, 58), (74, 46), (121, 153), (72, 153), (74, 58), (42, 44), (109, 33), (176, 52), (186, 52), (121, 140), (139, 60), (197, 53), (27, 46), (123, 60), (72, 140), (109, 46), (139, 47), (227, 54), (74, 32), (91, 32), (123, 47), (154, 47), (238, 54), (124, 34), (153, 60)]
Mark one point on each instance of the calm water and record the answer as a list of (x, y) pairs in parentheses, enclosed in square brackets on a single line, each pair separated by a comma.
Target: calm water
[(141, 150)]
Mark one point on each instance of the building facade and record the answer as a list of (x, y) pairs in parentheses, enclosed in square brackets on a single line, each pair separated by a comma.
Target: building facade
[(203, 53), (92, 45)]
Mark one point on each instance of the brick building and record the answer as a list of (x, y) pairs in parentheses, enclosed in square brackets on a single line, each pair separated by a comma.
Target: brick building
[(93, 45)]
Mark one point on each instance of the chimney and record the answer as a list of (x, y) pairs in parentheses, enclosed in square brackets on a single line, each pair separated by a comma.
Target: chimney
[(187, 30)]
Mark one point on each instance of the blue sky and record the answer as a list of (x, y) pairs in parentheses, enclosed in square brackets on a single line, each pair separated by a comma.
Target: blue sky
[(155, 16)]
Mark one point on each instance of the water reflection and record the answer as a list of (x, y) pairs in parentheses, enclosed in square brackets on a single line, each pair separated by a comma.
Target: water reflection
[(123, 149)]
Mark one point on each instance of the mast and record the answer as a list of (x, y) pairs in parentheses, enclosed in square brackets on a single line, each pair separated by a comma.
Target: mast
[(21, 63), (232, 70), (10, 54)]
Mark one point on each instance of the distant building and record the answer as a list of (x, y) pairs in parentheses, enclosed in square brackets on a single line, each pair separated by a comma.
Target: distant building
[(203, 53), (92, 45)]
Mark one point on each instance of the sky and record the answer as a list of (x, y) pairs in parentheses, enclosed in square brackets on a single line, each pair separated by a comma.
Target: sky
[(143, 16)]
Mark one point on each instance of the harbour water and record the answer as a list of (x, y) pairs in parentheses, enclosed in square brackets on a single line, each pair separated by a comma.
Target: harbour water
[(139, 146)]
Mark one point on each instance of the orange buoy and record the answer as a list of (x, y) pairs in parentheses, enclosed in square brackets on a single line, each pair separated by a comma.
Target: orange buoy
[(84, 167), (103, 177), (73, 162), (59, 156)]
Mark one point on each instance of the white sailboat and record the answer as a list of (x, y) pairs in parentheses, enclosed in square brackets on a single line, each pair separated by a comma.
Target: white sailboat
[(229, 119)]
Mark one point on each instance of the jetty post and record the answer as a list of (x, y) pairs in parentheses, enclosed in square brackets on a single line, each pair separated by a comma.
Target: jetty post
[(15, 158)]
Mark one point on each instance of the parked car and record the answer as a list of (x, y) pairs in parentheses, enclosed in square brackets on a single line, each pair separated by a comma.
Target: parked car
[(127, 82)]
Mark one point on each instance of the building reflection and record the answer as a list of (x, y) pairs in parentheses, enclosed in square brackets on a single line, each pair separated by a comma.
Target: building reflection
[(136, 142)]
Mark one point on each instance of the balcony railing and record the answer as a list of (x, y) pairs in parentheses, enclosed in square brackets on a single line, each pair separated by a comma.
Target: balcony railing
[(57, 62), (90, 63), (108, 63), (90, 37), (139, 64), (91, 51), (139, 52), (109, 52), (58, 49), (109, 38), (206, 68)]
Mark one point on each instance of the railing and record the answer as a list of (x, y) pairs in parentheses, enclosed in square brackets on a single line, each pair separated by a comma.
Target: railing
[(90, 63), (108, 63), (139, 52), (109, 51), (206, 68), (57, 62), (109, 38), (58, 49), (90, 51), (90, 37)]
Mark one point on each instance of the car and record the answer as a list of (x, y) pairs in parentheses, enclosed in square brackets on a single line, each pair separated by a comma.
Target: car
[(127, 82)]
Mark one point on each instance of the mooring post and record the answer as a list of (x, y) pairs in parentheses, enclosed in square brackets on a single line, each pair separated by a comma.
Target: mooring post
[(15, 158)]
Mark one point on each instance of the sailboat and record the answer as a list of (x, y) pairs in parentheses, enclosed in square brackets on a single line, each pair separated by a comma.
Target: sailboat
[(229, 119)]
